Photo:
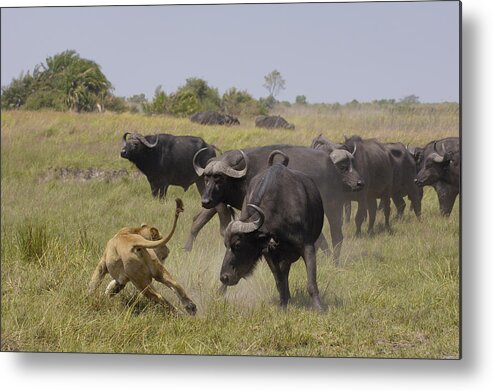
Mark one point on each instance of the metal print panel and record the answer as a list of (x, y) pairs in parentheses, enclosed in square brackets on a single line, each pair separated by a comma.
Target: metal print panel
[(241, 179)]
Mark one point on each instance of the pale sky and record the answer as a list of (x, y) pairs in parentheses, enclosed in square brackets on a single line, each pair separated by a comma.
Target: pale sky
[(329, 52)]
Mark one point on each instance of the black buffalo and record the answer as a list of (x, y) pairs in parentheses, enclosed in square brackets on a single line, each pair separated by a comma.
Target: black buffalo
[(442, 167), (373, 162), (281, 218), (228, 176), (166, 159), (272, 121), (447, 187), (214, 118), (404, 168)]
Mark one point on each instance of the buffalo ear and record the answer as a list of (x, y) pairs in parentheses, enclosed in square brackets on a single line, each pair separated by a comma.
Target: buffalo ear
[(268, 242), (263, 238), (448, 156)]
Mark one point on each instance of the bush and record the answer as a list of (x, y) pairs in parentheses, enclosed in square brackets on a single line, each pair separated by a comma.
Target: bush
[(116, 104), (45, 100), (184, 103), (237, 103)]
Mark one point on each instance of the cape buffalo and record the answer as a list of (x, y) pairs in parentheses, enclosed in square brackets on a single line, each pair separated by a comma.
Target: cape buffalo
[(443, 167), (168, 160), (214, 118), (228, 176), (272, 121), (446, 191), (404, 168), (374, 164), (281, 218)]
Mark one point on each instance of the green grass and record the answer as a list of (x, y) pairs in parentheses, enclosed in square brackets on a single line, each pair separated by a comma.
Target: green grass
[(395, 295)]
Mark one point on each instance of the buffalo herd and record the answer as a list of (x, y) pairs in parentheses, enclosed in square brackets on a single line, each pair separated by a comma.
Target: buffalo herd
[(284, 191)]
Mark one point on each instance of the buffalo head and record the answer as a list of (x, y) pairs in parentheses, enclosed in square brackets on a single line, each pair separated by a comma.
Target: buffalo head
[(134, 144), (244, 245), (434, 168), (417, 153), (217, 173), (344, 162)]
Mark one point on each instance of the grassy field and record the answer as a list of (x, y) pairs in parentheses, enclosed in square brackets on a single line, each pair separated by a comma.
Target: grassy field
[(394, 295)]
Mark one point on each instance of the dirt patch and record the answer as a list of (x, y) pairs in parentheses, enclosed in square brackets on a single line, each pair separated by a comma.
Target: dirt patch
[(66, 174)]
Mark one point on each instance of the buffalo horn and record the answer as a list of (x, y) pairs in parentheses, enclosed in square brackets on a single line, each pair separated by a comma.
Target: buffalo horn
[(244, 227), (231, 172), (144, 141), (124, 138), (277, 152), (199, 170), (354, 151), (437, 158), (435, 149)]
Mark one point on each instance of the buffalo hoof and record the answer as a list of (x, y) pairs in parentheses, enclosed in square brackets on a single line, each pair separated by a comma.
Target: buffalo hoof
[(191, 308)]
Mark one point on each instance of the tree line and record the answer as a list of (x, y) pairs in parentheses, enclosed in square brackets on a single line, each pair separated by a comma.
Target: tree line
[(67, 82)]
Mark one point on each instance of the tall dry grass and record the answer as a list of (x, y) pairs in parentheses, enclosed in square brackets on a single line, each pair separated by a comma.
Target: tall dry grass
[(393, 296)]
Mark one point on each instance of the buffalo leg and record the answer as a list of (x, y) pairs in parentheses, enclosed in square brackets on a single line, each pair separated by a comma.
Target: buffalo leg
[(162, 191), (334, 215), (446, 197), (155, 191), (311, 271), (347, 211), (415, 194), (224, 217), (386, 211), (372, 212), (198, 223), (399, 203), (281, 277), (360, 216)]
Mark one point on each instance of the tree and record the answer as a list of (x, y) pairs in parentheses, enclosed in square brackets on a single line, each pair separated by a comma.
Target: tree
[(237, 103), (65, 81), (301, 100), (16, 93), (208, 98), (140, 98), (410, 99), (274, 83)]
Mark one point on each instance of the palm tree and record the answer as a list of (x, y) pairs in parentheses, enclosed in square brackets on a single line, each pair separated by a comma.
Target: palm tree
[(80, 80)]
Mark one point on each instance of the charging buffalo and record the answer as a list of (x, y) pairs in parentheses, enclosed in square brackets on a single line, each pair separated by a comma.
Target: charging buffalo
[(228, 176), (281, 218)]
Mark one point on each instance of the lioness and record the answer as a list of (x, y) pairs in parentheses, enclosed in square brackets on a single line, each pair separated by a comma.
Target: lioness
[(136, 255)]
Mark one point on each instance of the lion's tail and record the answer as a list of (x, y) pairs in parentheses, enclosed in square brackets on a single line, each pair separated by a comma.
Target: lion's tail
[(179, 209)]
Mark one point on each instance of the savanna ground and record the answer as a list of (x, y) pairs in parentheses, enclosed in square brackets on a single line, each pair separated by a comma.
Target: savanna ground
[(394, 295)]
